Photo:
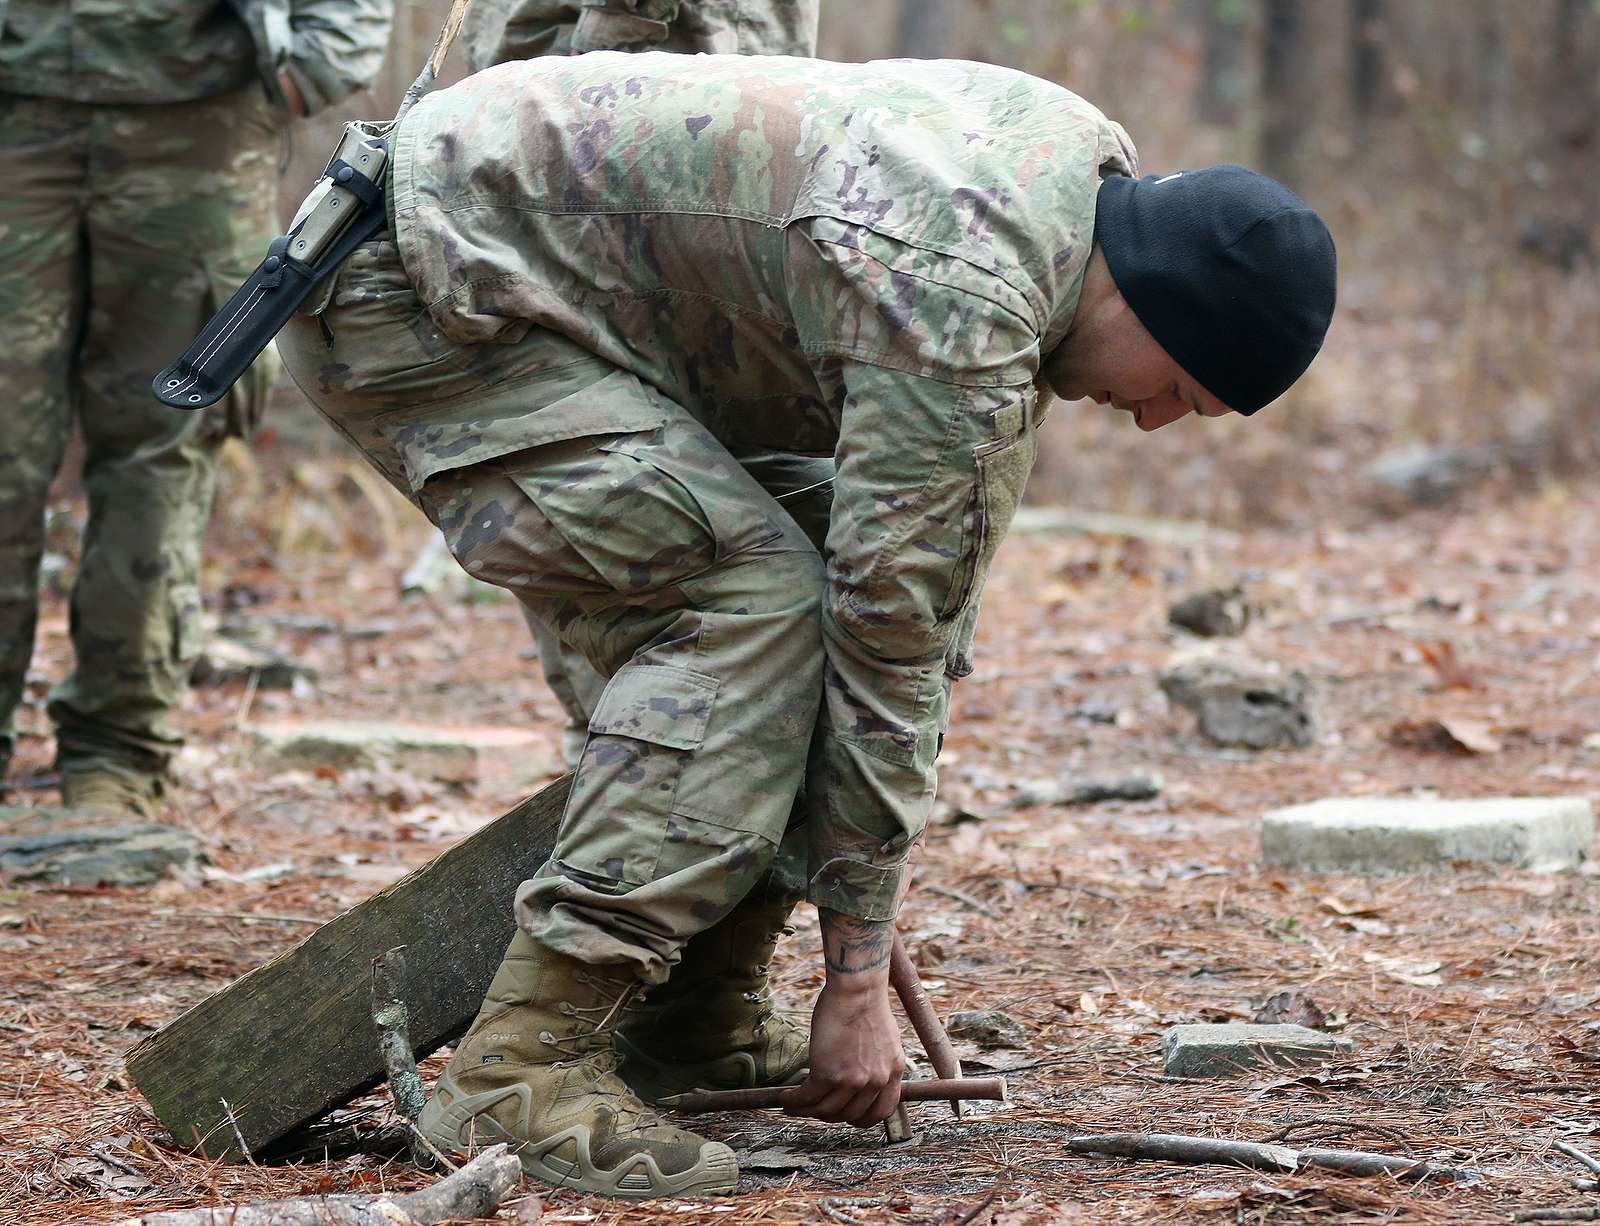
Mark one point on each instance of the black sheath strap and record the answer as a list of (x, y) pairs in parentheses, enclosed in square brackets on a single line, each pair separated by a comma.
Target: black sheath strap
[(260, 307)]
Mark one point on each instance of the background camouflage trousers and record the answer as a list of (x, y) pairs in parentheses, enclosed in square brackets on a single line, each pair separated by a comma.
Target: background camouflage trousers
[(121, 228), (617, 519)]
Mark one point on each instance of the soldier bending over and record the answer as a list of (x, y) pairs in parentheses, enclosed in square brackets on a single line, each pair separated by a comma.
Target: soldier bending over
[(605, 279)]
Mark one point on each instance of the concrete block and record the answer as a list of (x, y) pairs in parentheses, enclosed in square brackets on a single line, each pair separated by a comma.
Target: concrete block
[(448, 754), (1373, 836), (1237, 1048)]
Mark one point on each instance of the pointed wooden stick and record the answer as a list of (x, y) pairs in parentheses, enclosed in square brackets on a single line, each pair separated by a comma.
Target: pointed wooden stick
[(992, 1089), (919, 1011)]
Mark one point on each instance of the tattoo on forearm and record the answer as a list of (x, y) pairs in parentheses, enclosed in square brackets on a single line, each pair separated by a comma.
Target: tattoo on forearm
[(851, 946)]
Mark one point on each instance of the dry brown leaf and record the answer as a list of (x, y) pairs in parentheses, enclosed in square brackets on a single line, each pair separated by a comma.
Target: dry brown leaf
[(1417, 974), (1473, 735), (1368, 927), (1453, 735), (1332, 902), (1441, 657)]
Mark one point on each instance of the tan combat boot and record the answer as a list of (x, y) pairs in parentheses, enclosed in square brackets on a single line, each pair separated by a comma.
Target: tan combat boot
[(109, 788), (711, 1025), (535, 1070)]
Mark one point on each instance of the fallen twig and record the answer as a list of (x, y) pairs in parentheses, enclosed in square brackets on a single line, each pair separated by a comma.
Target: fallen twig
[(475, 1191), (390, 1016), (1572, 1151), (439, 1156), (238, 1136), (992, 1089), (1171, 1147), (977, 904), (972, 1213), (1588, 1213), (1328, 1125), (241, 915), (243, 713), (833, 1207)]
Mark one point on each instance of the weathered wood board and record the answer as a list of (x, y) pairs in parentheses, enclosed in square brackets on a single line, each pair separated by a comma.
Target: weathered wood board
[(293, 1039)]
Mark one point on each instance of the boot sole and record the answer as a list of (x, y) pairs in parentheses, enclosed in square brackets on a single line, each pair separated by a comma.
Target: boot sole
[(463, 1124)]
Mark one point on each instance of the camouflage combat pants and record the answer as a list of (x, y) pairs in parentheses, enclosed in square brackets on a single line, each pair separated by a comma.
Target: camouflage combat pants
[(618, 520), (121, 228), (802, 485)]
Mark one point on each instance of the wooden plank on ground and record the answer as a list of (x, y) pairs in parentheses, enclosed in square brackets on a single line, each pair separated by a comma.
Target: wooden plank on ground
[(293, 1039)]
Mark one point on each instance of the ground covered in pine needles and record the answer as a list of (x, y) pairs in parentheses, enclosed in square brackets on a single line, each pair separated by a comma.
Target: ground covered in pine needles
[(1451, 653)]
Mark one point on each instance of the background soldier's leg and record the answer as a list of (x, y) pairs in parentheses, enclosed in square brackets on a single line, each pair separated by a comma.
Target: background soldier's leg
[(572, 679), (180, 208), (41, 164)]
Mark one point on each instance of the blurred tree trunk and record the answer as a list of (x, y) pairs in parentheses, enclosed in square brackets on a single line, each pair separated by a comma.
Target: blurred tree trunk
[(1494, 78), (1574, 75), (1222, 72), (1285, 90), (922, 29), (1573, 104), (1366, 58)]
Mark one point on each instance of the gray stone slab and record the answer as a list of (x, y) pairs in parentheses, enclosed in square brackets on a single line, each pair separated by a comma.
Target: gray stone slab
[(1242, 704), (1237, 1048), (987, 1028), (1370, 835), (224, 660), (449, 754), (48, 849)]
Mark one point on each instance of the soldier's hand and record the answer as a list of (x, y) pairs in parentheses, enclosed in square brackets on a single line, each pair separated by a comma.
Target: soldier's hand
[(856, 1055), (856, 1059)]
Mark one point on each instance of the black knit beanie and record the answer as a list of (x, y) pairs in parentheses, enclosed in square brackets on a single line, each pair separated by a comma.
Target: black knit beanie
[(1230, 272)]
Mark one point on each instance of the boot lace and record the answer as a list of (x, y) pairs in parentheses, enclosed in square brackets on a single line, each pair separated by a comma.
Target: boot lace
[(595, 1025)]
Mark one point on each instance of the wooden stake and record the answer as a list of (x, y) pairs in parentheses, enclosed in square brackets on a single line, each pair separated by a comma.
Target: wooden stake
[(919, 1011), (992, 1089)]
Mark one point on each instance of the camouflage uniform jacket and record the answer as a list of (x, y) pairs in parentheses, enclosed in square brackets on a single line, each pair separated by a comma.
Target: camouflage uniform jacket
[(862, 260), (181, 50)]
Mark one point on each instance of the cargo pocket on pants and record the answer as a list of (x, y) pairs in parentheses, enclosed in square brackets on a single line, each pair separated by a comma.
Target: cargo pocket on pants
[(684, 470), (647, 725)]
